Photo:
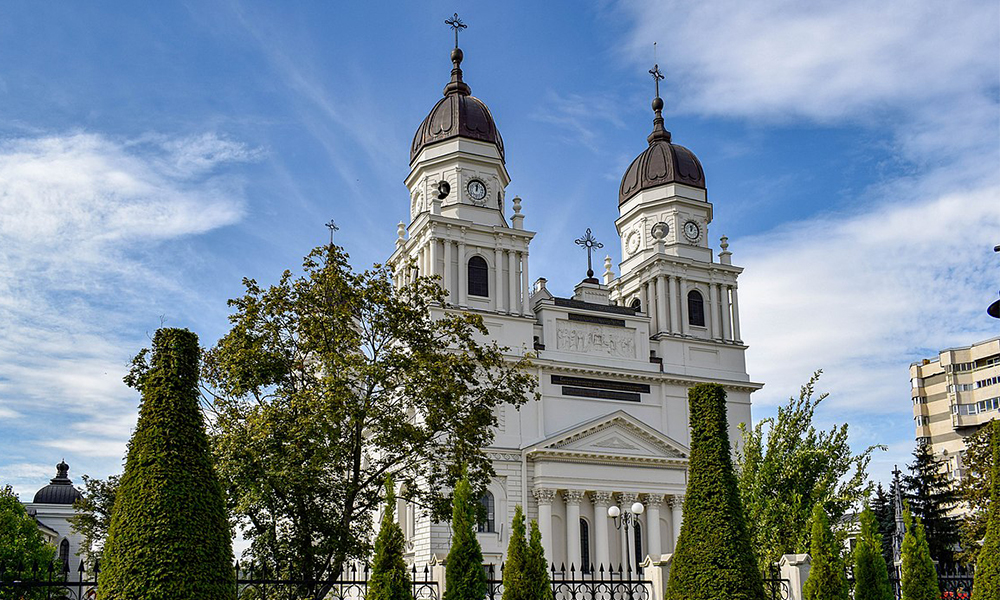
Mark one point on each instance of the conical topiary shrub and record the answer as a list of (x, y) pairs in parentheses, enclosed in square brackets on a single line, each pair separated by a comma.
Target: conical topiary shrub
[(827, 579), (169, 536), (871, 577), (515, 583), (389, 580), (540, 585), (920, 580), (464, 574), (714, 559), (987, 583)]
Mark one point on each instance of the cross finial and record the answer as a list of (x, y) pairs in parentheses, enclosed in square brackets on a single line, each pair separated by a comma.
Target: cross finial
[(589, 242), (657, 77), (456, 23), (332, 226)]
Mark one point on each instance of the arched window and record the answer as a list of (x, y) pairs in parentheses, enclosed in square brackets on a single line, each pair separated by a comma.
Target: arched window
[(584, 546), (479, 277), (488, 526), (64, 554), (638, 545), (636, 304), (696, 308)]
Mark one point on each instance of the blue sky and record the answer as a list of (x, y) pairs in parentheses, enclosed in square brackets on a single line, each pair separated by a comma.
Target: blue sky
[(153, 154)]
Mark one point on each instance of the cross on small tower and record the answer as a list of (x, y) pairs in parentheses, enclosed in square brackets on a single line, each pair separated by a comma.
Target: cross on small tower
[(589, 242), (456, 23), (657, 77), (332, 226)]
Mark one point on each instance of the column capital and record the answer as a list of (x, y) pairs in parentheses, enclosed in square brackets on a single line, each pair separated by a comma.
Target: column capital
[(654, 499), (573, 496), (676, 501), (601, 497), (628, 498), (544, 495)]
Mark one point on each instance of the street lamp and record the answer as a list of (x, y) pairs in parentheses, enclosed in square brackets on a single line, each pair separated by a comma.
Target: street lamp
[(994, 309), (626, 520)]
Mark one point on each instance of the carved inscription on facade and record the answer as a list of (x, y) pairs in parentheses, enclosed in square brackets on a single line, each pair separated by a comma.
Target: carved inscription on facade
[(595, 339)]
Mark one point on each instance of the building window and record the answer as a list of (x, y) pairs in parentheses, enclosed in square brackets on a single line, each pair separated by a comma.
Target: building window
[(696, 308), (489, 525), (636, 304), (584, 546), (64, 554), (479, 277)]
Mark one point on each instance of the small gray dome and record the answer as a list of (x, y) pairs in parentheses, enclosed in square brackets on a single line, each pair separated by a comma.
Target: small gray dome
[(60, 489), (661, 163), (458, 114)]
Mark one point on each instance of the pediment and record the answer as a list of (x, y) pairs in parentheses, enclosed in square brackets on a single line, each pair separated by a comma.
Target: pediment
[(616, 435)]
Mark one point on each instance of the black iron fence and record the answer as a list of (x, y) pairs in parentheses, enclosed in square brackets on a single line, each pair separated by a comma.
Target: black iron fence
[(954, 581), (598, 583), (775, 587)]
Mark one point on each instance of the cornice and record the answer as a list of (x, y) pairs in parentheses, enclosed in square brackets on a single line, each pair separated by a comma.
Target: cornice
[(649, 376)]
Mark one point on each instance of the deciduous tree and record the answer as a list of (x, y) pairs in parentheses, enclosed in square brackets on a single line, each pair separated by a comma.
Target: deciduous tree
[(987, 582), (93, 514), (328, 381), (23, 551), (974, 491), (786, 467)]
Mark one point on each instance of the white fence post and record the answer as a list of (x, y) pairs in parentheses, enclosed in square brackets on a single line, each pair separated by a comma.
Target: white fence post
[(795, 568), (657, 571)]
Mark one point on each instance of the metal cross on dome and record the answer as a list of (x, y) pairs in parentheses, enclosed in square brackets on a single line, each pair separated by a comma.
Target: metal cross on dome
[(332, 226), (589, 242), (456, 23), (657, 77)]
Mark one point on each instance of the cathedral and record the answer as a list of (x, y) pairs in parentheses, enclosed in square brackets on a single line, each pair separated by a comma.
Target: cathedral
[(614, 360)]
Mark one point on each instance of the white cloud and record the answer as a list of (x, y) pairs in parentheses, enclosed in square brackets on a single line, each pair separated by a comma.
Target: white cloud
[(78, 216)]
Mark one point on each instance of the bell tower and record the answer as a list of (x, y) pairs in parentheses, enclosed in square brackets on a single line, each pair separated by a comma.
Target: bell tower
[(458, 228)]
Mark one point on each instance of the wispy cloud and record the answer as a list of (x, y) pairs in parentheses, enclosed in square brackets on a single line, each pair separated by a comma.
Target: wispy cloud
[(580, 117), (80, 214)]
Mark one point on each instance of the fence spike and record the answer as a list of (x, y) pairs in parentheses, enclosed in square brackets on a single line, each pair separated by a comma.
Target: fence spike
[(563, 569), (572, 569)]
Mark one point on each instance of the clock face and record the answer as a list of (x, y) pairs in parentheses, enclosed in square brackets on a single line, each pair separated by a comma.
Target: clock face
[(477, 191), (692, 231), (632, 242)]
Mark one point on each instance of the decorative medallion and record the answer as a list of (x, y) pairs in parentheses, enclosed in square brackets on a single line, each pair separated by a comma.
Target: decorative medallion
[(692, 231)]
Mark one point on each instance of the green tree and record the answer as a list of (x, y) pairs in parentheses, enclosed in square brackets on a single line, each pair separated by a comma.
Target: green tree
[(786, 467), (871, 577), (389, 580), (885, 518), (334, 367), (23, 551), (827, 578), (465, 578), (169, 536), (974, 491), (93, 515), (931, 497), (987, 583), (539, 583), (713, 559), (515, 583), (919, 576)]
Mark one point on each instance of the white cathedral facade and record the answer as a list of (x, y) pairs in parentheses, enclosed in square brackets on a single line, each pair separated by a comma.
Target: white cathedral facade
[(614, 360)]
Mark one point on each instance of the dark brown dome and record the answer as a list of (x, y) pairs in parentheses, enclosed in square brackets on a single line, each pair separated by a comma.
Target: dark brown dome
[(458, 114), (661, 163), (60, 489)]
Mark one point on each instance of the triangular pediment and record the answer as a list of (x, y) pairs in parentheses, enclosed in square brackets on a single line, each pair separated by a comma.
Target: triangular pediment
[(618, 434)]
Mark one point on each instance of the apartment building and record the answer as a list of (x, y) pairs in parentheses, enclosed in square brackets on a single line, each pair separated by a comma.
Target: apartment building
[(953, 396)]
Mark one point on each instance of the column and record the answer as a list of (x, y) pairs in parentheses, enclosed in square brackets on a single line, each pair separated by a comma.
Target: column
[(463, 276), (677, 510), (525, 290), (498, 265), (602, 549), (661, 303), (627, 499), (653, 547), (681, 299), (645, 298), (736, 315), (727, 327), (433, 254), (714, 307), (544, 498), (446, 279), (573, 499), (515, 301), (675, 319)]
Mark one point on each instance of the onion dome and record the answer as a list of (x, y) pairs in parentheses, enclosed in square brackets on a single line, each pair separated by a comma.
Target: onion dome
[(60, 489), (458, 114), (661, 163)]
